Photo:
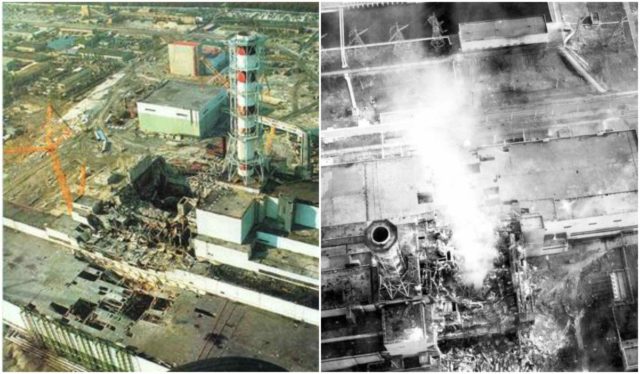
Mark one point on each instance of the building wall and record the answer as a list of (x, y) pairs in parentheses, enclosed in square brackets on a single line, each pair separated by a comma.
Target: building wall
[(11, 315), (594, 226), (211, 114), (219, 226), (168, 120), (61, 237), (177, 121), (27, 229), (227, 228), (270, 207), (183, 59), (249, 219), (307, 215), (288, 244), (228, 256), (218, 62), (217, 253), (270, 270), (140, 167), (80, 218), (304, 215), (91, 352)]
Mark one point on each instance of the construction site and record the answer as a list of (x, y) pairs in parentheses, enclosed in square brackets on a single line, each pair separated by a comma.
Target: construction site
[(479, 187), (160, 173)]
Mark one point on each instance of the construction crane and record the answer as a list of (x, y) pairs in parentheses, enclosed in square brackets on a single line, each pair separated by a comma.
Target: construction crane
[(217, 78), (51, 148)]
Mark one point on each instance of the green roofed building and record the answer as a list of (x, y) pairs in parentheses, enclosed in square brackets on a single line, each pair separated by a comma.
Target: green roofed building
[(179, 108)]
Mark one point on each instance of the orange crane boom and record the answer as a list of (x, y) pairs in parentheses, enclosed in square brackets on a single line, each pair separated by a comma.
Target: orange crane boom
[(62, 180), (51, 148)]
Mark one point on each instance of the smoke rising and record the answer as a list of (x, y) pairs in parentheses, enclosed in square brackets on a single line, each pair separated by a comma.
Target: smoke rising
[(444, 123)]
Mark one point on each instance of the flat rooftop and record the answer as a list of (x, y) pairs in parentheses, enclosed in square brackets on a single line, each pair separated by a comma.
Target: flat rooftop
[(183, 95), (173, 325), (230, 202), (598, 174), (20, 213), (503, 28), (304, 191), (356, 282), (271, 256), (289, 261), (372, 190)]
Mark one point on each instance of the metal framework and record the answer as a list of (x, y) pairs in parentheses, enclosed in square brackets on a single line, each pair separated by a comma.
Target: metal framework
[(78, 346), (392, 288), (303, 138), (395, 34), (436, 32)]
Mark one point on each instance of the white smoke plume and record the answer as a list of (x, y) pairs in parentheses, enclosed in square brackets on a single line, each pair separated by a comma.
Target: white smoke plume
[(445, 122)]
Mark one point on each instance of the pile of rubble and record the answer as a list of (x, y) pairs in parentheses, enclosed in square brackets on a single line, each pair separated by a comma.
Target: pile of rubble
[(148, 223), (502, 354), (139, 233), (489, 305), (202, 183)]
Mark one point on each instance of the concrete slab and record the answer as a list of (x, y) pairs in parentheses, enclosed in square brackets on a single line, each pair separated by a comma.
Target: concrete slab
[(570, 168), (372, 190)]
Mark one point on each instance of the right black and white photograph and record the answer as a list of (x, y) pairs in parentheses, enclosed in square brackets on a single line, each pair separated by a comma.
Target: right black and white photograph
[(479, 186)]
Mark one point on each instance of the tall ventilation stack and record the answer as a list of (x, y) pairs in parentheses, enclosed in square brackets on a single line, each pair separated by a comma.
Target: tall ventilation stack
[(382, 239), (245, 158)]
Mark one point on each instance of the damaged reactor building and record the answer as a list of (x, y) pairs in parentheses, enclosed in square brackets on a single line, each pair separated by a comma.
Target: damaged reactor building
[(165, 216), (479, 187)]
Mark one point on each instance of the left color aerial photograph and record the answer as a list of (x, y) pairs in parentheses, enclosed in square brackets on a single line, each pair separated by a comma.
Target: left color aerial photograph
[(160, 187)]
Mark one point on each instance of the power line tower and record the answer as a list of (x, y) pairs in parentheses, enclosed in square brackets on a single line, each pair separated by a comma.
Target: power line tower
[(436, 32), (355, 39), (395, 35)]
